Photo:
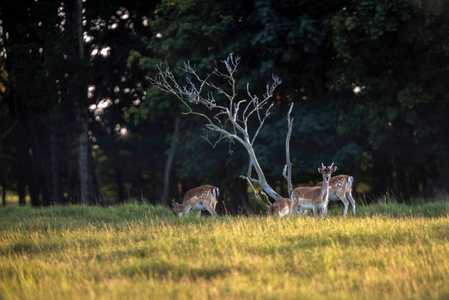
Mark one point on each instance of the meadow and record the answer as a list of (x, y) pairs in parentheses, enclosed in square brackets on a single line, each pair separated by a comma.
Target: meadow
[(387, 251)]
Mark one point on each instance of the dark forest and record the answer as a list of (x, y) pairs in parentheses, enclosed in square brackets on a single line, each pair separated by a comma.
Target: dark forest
[(80, 121)]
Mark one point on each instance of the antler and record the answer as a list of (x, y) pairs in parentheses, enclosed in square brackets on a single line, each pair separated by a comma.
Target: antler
[(332, 165), (322, 166)]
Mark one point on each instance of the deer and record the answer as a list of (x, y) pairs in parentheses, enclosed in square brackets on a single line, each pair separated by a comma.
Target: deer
[(340, 188), (199, 198), (314, 197), (281, 208)]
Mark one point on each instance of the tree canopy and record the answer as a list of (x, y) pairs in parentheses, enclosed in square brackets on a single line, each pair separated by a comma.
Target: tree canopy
[(368, 79)]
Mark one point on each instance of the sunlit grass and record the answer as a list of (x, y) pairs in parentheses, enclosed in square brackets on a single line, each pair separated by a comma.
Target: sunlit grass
[(13, 198), (387, 251)]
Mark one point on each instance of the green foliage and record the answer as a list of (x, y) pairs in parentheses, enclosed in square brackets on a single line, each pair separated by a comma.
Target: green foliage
[(412, 96), (392, 51)]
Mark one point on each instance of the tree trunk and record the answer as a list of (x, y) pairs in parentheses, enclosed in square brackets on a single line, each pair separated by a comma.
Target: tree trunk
[(38, 162), (33, 189), (254, 163), (72, 191), (82, 115), (3, 191), (262, 181), (21, 190), (55, 178), (94, 185), (112, 152), (83, 160), (169, 163), (120, 186)]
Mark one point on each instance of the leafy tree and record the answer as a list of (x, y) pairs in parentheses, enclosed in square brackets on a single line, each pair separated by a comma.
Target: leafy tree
[(394, 52), (45, 80)]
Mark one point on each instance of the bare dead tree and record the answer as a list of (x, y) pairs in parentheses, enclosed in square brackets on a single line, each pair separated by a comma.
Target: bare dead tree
[(228, 116)]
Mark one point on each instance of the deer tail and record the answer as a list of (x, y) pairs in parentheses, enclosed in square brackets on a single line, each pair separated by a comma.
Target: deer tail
[(350, 181)]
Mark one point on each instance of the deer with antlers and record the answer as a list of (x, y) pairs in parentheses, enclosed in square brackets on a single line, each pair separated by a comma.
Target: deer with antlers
[(340, 188), (199, 198), (314, 197)]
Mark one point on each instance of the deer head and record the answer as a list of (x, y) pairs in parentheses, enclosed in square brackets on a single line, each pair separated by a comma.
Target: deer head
[(177, 208), (327, 171)]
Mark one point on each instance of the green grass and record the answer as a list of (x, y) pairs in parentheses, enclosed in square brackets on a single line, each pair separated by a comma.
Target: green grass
[(388, 251)]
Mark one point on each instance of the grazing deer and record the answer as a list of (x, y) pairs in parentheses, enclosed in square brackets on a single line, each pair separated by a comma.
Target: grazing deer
[(314, 197), (340, 188), (199, 198), (281, 208)]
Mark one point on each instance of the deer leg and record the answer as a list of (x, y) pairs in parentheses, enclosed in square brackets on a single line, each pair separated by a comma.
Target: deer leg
[(345, 202), (352, 201), (214, 203), (198, 214), (294, 208), (315, 211), (210, 210), (187, 210), (324, 208), (301, 210), (323, 211)]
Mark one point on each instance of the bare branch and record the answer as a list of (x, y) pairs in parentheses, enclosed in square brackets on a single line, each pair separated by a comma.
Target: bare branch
[(288, 166), (267, 113), (214, 144), (271, 88), (229, 135), (253, 99), (250, 167), (9, 130), (250, 179), (258, 106)]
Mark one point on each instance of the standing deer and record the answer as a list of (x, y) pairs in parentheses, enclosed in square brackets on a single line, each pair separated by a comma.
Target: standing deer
[(199, 198), (314, 197), (340, 188), (281, 208)]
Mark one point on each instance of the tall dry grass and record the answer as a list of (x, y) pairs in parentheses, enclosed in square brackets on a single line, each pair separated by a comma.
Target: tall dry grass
[(387, 251)]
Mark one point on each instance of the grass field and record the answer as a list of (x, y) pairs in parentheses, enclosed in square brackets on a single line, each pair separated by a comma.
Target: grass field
[(388, 251)]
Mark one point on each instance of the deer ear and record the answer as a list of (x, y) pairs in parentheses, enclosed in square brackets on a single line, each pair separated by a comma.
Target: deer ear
[(173, 202), (320, 171), (334, 169)]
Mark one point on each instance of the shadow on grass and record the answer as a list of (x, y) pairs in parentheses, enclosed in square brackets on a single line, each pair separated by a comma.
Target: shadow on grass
[(172, 271)]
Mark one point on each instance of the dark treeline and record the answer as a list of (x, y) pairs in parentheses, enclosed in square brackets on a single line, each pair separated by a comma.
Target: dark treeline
[(80, 123)]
